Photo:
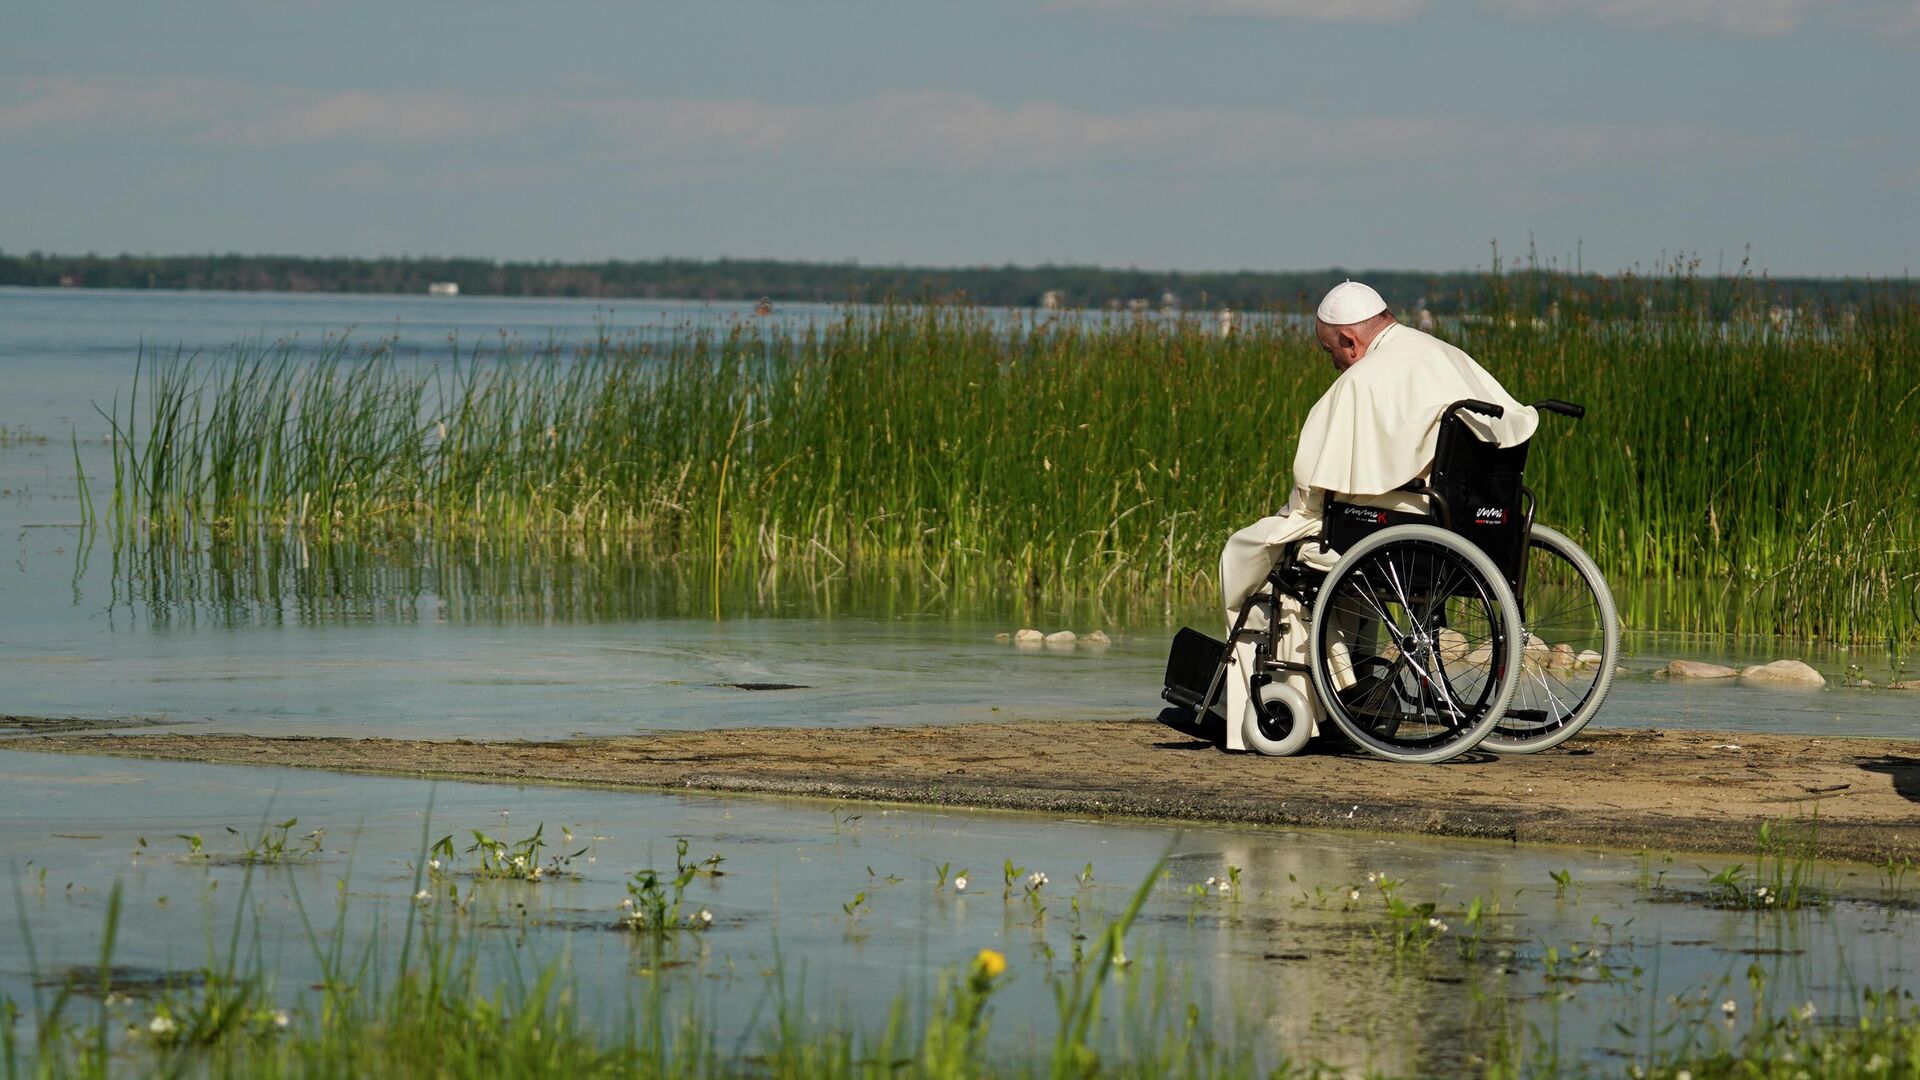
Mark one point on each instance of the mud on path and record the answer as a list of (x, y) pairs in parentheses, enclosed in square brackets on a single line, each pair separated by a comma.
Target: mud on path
[(1665, 790)]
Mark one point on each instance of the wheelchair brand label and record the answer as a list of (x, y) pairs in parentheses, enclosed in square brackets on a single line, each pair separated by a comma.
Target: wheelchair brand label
[(1362, 513), (1490, 515)]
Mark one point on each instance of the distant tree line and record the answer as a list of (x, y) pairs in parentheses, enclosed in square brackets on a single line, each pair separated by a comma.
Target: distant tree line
[(1536, 291)]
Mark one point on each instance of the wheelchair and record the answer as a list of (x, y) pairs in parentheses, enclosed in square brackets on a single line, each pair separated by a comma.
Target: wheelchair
[(1434, 633)]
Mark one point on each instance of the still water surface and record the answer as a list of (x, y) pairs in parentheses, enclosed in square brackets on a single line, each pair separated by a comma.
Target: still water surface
[(490, 643), (1291, 961)]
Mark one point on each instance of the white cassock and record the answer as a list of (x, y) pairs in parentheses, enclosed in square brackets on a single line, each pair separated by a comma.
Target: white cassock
[(1372, 431)]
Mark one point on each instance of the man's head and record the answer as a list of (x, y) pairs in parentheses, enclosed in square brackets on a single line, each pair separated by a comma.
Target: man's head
[(1348, 320)]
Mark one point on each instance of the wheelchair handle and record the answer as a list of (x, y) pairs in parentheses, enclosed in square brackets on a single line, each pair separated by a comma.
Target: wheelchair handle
[(1564, 408), (1484, 408)]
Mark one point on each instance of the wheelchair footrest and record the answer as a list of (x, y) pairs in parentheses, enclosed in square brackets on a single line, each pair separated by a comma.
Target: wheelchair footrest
[(1191, 665)]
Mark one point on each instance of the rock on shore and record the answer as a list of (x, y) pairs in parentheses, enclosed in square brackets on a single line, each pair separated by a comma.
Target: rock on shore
[(1695, 669), (1783, 673)]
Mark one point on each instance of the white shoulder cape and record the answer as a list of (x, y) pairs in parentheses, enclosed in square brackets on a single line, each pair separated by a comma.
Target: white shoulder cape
[(1375, 427)]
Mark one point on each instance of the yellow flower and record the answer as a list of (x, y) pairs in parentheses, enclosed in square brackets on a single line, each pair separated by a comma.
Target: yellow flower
[(989, 963)]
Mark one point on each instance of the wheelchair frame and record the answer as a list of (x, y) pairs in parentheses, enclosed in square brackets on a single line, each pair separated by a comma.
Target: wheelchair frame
[(1472, 488)]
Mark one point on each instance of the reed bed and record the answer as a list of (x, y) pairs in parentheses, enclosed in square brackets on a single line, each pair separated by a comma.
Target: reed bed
[(1733, 475)]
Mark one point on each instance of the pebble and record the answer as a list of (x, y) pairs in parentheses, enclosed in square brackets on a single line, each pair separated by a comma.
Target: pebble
[(1695, 669), (1783, 673), (1062, 637), (1098, 637), (1588, 658), (1029, 636), (1562, 657)]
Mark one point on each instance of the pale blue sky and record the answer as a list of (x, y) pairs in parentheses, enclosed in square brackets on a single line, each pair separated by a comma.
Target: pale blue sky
[(1189, 134)]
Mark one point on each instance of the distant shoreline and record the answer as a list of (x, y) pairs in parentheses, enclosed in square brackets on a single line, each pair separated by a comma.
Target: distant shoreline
[(1043, 286)]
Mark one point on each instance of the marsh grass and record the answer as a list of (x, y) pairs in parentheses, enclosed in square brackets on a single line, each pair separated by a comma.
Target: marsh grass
[(430, 1011), (1732, 475)]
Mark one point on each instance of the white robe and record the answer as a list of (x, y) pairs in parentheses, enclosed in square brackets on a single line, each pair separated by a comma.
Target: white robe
[(1374, 429)]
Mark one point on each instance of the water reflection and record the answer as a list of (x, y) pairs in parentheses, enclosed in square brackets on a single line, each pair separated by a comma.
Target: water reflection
[(1289, 959), (291, 579)]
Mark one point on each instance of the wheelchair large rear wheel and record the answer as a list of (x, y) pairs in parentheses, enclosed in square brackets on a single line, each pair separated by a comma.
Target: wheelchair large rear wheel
[(1572, 643), (1413, 644)]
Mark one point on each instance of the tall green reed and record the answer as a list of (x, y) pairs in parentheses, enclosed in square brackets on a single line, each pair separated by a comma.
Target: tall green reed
[(1740, 474)]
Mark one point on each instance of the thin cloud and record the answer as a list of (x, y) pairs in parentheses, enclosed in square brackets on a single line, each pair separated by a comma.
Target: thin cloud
[(1752, 18), (944, 131), (966, 132), (108, 104), (365, 116), (1363, 11), (214, 111)]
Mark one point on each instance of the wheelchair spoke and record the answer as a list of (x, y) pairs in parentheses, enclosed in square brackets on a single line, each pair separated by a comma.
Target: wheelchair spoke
[(1371, 595)]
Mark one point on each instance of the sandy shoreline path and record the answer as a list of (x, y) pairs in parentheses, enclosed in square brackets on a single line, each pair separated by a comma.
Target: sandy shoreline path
[(1665, 790)]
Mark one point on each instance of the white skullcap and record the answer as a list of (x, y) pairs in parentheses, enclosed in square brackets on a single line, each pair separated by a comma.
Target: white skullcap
[(1350, 302)]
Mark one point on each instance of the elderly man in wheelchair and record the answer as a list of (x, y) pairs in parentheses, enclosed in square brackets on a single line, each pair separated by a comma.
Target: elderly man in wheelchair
[(1405, 593)]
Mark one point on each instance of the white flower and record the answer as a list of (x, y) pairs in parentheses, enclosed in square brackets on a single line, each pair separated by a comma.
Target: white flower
[(1036, 879), (1372, 877), (1761, 892), (537, 873), (1806, 1011), (1436, 926), (1210, 882), (706, 917), (115, 997), (281, 1019), (433, 864), (421, 896), (1729, 1007), (1353, 894), (1876, 1063), (500, 854), (627, 903), (960, 884), (162, 1025), (519, 862)]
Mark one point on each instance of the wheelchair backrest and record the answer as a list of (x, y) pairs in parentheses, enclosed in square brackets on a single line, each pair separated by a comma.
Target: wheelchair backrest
[(1478, 487), (1474, 488)]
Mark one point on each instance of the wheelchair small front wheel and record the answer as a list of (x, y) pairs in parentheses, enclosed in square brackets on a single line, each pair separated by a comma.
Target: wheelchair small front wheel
[(1571, 645), (1415, 633), (1280, 722)]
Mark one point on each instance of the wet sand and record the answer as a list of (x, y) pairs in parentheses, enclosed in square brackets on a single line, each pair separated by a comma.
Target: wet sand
[(1660, 789)]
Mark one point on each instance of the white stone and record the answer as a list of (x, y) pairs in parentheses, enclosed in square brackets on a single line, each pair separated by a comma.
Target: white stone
[(1588, 658), (1098, 637), (1784, 673), (1062, 637), (1695, 669), (1029, 637)]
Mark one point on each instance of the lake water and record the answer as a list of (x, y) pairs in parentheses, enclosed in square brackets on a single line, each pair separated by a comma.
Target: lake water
[(479, 641), (483, 643), (1299, 960)]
